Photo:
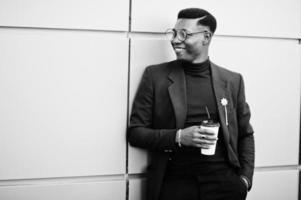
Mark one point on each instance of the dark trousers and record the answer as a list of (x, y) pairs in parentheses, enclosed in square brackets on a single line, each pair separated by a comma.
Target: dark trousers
[(225, 185)]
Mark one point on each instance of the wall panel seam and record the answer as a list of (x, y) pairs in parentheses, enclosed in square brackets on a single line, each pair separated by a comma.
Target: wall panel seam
[(63, 180), (127, 189), (137, 34)]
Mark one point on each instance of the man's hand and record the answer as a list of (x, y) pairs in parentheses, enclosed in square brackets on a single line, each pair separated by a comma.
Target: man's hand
[(197, 137), (245, 181)]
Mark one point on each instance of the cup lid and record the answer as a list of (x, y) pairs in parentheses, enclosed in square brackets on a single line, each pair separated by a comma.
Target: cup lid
[(210, 123)]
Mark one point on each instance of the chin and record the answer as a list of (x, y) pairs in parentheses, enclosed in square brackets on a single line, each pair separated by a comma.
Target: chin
[(180, 57), (183, 58)]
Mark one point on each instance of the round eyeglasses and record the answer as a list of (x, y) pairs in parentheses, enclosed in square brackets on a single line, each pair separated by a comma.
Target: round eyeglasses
[(181, 34)]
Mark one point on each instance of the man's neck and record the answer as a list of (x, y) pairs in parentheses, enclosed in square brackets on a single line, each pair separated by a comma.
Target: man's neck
[(200, 59)]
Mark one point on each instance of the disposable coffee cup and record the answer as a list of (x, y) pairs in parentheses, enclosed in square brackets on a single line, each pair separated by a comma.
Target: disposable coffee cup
[(213, 127)]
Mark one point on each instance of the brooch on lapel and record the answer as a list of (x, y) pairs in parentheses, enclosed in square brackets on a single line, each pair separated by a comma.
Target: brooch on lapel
[(224, 103)]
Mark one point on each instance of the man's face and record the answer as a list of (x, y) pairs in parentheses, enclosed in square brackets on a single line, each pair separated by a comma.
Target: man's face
[(192, 48)]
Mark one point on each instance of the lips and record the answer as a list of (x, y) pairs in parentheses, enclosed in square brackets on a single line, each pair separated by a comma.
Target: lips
[(178, 49)]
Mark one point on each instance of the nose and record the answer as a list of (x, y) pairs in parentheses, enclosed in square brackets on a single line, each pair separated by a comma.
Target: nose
[(176, 40)]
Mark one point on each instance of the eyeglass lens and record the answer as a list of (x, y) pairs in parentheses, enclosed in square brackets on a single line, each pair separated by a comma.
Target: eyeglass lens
[(172, 33)]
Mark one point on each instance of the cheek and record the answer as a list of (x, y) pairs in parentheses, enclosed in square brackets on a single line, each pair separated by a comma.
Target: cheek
[(194, 48)]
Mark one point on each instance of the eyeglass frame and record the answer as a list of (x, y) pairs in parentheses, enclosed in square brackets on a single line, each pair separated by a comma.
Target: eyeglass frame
[(184, 31)]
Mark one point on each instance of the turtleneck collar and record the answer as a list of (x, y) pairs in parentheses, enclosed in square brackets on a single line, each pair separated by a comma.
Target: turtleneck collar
[(196, 69)]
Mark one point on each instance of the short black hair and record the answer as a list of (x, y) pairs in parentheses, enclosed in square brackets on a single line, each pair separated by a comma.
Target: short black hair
[(193, 13)]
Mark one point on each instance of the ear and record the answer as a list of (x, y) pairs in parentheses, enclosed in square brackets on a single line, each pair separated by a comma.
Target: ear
[(207, 38)]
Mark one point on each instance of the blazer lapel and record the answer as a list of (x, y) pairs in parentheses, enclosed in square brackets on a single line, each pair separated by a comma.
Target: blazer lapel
[(220, 89), (177, 93)]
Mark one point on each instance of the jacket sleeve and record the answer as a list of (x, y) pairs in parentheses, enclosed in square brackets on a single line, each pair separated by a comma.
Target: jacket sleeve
[(246, 149), (141, 132)]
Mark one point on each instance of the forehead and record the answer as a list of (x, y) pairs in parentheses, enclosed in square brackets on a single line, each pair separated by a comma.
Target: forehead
[(188, 24)]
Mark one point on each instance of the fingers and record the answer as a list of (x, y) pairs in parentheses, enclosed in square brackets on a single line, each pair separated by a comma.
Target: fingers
[(197, 137), (204, 142), (205, 136), (208, 137), (202, 146), (206, 131)]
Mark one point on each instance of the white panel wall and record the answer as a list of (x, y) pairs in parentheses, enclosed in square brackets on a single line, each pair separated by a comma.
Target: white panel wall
[(111, 190), (276, 185), (137, 189), (63, 99), (267, 18), (77, 14), (56, 109)]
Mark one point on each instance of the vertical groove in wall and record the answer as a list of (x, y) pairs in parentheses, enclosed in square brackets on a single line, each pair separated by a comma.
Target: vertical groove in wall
[(299, 190), (128, 106), (130, 15), (128, 102)]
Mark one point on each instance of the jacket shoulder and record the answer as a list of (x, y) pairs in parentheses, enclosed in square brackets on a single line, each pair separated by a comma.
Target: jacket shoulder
[(226, 73), (161, 66), (161, 69)]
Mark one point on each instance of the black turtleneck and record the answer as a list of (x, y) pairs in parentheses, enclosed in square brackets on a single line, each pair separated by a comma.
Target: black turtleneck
[(200, 94), (196, 69)]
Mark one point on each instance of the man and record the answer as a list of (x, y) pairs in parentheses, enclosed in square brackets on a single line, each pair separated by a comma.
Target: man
[(171, 103)]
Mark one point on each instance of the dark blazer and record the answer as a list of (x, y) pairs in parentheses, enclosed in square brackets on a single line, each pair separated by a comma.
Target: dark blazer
[(160, 108)]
